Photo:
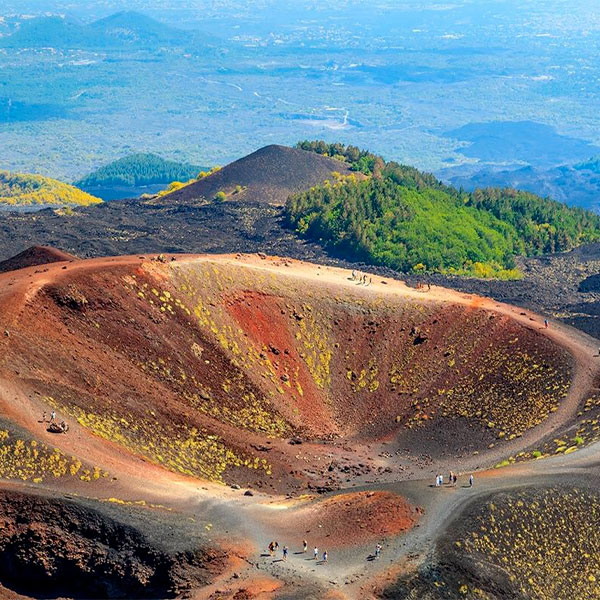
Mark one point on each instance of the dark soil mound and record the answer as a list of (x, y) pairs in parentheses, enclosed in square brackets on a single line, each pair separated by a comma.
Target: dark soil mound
[(36, 255), (53, 548), (268, 175)]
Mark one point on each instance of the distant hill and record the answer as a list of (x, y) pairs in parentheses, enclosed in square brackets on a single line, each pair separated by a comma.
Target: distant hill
[(126, 28), (35, 255), (268, 175), (408, 220), (18, 189), (52, 32), (139, 170), (134, 27), (506, 142)]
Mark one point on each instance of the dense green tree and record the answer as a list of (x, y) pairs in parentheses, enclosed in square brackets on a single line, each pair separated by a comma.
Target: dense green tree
[(139, 169), (397, 216)]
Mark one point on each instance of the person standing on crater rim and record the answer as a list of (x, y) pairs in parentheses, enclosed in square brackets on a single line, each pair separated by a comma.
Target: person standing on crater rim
[(316, 553), (304, 546), (471, 481)]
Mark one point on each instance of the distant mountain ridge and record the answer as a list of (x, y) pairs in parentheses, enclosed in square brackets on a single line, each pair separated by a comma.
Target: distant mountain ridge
[(121, 29), (577, 185)]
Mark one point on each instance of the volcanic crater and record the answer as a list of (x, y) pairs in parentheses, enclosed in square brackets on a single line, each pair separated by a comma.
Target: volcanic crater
[(179, 374)]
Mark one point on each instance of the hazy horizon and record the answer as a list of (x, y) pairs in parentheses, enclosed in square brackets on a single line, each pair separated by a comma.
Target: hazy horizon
[(396, 78)]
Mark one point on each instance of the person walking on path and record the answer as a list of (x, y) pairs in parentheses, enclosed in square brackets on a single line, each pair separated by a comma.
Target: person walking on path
[(546, 323), (325, 556), (304, 546), (316, 553), (285, 553), (471, 481), (378, 551), (52, 416), (271, 548)]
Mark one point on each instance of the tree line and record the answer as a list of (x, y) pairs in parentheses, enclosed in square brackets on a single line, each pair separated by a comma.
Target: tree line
[(400, 217)]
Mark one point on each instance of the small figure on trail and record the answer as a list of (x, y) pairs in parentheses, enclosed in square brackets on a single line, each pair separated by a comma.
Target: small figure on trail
[(353, 275), (304, 546), (471, 481), (325, 556), (52, 417), (64, 427), (378, 551), (44, 417), (316, 553), (546, 323), (454, 479), (271, 548), (437, 481), (428, 287), (441, 480), (370, 280), (285, 553)]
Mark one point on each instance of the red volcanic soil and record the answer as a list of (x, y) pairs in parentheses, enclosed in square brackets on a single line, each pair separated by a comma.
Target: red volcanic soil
[(36, 255), (350, 519), (265, 320)]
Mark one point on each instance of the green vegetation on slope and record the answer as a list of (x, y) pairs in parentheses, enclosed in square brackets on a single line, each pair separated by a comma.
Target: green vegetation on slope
[(24, 189), (139, 169), (396, 216)]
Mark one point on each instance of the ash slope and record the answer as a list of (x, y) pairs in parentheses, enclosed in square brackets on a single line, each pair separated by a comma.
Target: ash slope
[(268, 175)]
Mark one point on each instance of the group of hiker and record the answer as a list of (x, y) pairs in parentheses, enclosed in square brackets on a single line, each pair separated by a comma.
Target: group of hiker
[(274, 546), (53, 425), (361, 278), (452, 479)]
